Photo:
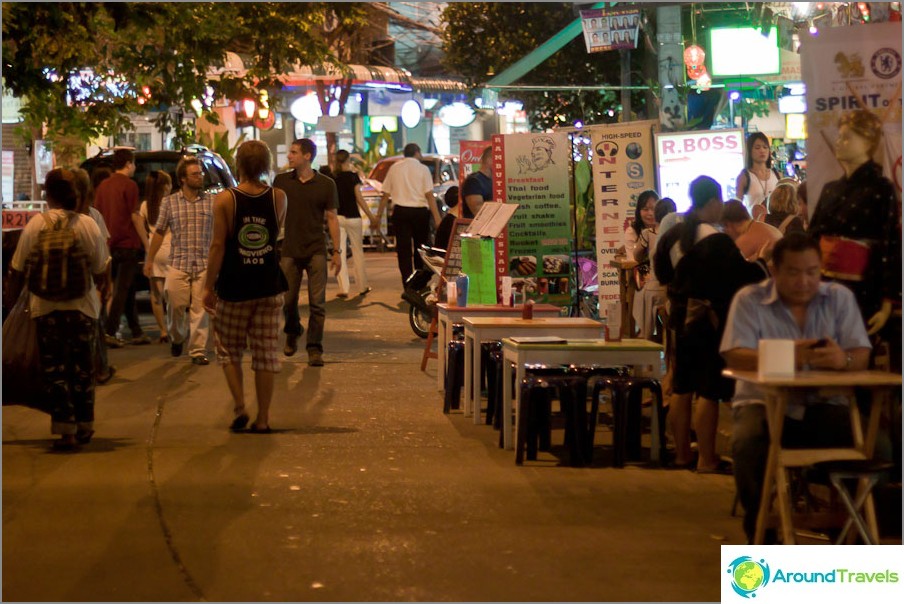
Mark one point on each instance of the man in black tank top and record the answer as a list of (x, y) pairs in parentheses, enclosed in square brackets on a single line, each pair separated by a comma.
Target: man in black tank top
[(244, 287), (312, 198)]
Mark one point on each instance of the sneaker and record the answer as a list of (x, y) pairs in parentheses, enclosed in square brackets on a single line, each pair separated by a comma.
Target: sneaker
[(176, 349), (200, 360), (113, 342), (140, 340), (342, 295), (291, 346), (315, 358)]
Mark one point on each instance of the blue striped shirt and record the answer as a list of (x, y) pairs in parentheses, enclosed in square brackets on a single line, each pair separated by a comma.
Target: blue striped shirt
[(191, 223)]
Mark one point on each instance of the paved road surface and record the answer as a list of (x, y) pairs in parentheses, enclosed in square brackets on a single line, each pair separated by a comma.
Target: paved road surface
[(365, 491)]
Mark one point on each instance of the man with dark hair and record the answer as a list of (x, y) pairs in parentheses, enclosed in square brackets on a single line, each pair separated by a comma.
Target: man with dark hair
[(410, 185), (312, 199), (116, 198), (824, 321), (478, 186), (188, 214)]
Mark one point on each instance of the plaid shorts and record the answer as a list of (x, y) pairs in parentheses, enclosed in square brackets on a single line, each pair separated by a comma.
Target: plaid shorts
[(252, 322)]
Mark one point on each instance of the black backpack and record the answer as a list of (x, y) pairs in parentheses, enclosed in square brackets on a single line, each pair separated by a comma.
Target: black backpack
[(57, 268)]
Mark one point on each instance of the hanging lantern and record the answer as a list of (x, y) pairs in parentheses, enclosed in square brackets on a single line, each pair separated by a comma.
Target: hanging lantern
[(694, 57)]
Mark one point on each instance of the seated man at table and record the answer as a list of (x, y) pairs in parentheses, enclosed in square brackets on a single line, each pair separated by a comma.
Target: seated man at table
[(824, 321)]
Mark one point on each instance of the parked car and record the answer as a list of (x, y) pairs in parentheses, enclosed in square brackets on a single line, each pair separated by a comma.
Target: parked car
[(217, 175), (443, 168)]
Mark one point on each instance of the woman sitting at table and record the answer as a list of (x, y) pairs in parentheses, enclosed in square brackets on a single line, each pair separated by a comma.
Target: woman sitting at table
[(823, 320)]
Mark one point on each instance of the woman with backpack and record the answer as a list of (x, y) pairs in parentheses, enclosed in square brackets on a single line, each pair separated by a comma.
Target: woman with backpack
[(59, 253)]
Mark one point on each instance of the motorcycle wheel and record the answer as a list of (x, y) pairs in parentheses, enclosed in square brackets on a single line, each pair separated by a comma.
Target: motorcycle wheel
[(419, 321)]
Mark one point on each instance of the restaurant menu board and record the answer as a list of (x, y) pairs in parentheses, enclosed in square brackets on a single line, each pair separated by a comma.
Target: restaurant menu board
[(532, 170), (683, 156), (452, 265), (622, 169), (610, 29)]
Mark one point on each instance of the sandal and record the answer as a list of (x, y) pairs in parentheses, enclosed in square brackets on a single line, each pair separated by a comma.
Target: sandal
[(65, 443), (163, 340), (83, 437), (239, 423), (253, 429)]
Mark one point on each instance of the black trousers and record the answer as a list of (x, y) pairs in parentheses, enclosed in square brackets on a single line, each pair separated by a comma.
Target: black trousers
[(412, 230)]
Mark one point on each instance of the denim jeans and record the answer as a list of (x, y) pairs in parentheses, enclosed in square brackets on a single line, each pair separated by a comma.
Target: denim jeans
[(293, 268), (822, 426), (125, 268)]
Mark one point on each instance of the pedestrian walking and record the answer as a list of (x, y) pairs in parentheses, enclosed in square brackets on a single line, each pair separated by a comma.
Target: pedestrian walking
[(311, 201), (409, 184), (188, 214), (62, 255), (117, 200), (351, 228), (157, 186), (244, 285)]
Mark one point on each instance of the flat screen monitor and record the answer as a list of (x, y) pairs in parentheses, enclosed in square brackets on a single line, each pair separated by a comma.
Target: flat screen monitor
[(740, 51)]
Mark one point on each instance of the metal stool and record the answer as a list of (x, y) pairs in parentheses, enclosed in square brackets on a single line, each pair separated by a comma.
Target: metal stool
[(867, 470)]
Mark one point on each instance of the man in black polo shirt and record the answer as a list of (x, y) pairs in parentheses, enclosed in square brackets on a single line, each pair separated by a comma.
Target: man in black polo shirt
[(312, 197)]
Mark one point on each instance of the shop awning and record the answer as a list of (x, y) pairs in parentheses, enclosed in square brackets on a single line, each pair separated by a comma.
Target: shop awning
[(308, 75)]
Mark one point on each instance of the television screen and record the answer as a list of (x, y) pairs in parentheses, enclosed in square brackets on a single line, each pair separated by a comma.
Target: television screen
[(739, 51)]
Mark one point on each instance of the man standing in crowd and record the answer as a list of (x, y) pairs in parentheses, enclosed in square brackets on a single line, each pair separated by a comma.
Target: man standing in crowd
[(824, 321), (755, 239), (478, 186), (409, 184), (312, 197), (351, 228), (116, 198), (188, 214)]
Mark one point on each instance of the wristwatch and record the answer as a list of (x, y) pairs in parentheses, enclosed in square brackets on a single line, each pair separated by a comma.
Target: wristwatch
[(848, 360)]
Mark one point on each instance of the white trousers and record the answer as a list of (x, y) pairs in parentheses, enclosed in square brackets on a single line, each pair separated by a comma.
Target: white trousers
[(351, 232), (184, 296)]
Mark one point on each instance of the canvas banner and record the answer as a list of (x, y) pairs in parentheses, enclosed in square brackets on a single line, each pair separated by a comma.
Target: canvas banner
[(848, 68), (623, 167), (533, 170)]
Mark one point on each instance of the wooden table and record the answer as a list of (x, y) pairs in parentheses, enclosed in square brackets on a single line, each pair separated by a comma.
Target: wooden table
[(481, 329), (626, 290), (645, 356), (447, 314), (777, 392)]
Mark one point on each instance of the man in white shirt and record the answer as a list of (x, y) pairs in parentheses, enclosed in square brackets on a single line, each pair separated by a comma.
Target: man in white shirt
[(410, 185)]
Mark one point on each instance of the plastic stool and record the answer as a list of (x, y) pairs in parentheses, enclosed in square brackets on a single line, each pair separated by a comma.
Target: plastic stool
[(534, 413), (867, 470), (626, 399), (455, 375)]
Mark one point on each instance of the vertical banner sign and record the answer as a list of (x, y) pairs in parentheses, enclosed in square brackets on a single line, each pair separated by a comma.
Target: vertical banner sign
[(470, 161), (8, 174), (622, 169), (533, 170), (683, 156), (848, 68)]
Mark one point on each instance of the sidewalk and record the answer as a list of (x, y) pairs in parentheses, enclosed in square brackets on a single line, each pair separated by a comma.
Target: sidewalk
[(365, 491)]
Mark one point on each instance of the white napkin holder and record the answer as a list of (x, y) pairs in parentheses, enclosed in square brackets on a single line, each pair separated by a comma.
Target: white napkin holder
[(775, 359)]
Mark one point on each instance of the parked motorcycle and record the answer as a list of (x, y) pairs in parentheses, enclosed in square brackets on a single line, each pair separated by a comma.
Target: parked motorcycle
[(420, 290)]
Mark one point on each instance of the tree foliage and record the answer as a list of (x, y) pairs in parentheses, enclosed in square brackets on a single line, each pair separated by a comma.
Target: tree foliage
[(481, 39), (160, 53)]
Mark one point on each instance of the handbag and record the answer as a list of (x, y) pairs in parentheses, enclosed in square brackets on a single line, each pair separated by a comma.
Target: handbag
[(22, 359)]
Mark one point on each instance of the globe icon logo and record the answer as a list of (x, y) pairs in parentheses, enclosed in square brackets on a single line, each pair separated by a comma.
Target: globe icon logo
[(748, 575)]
